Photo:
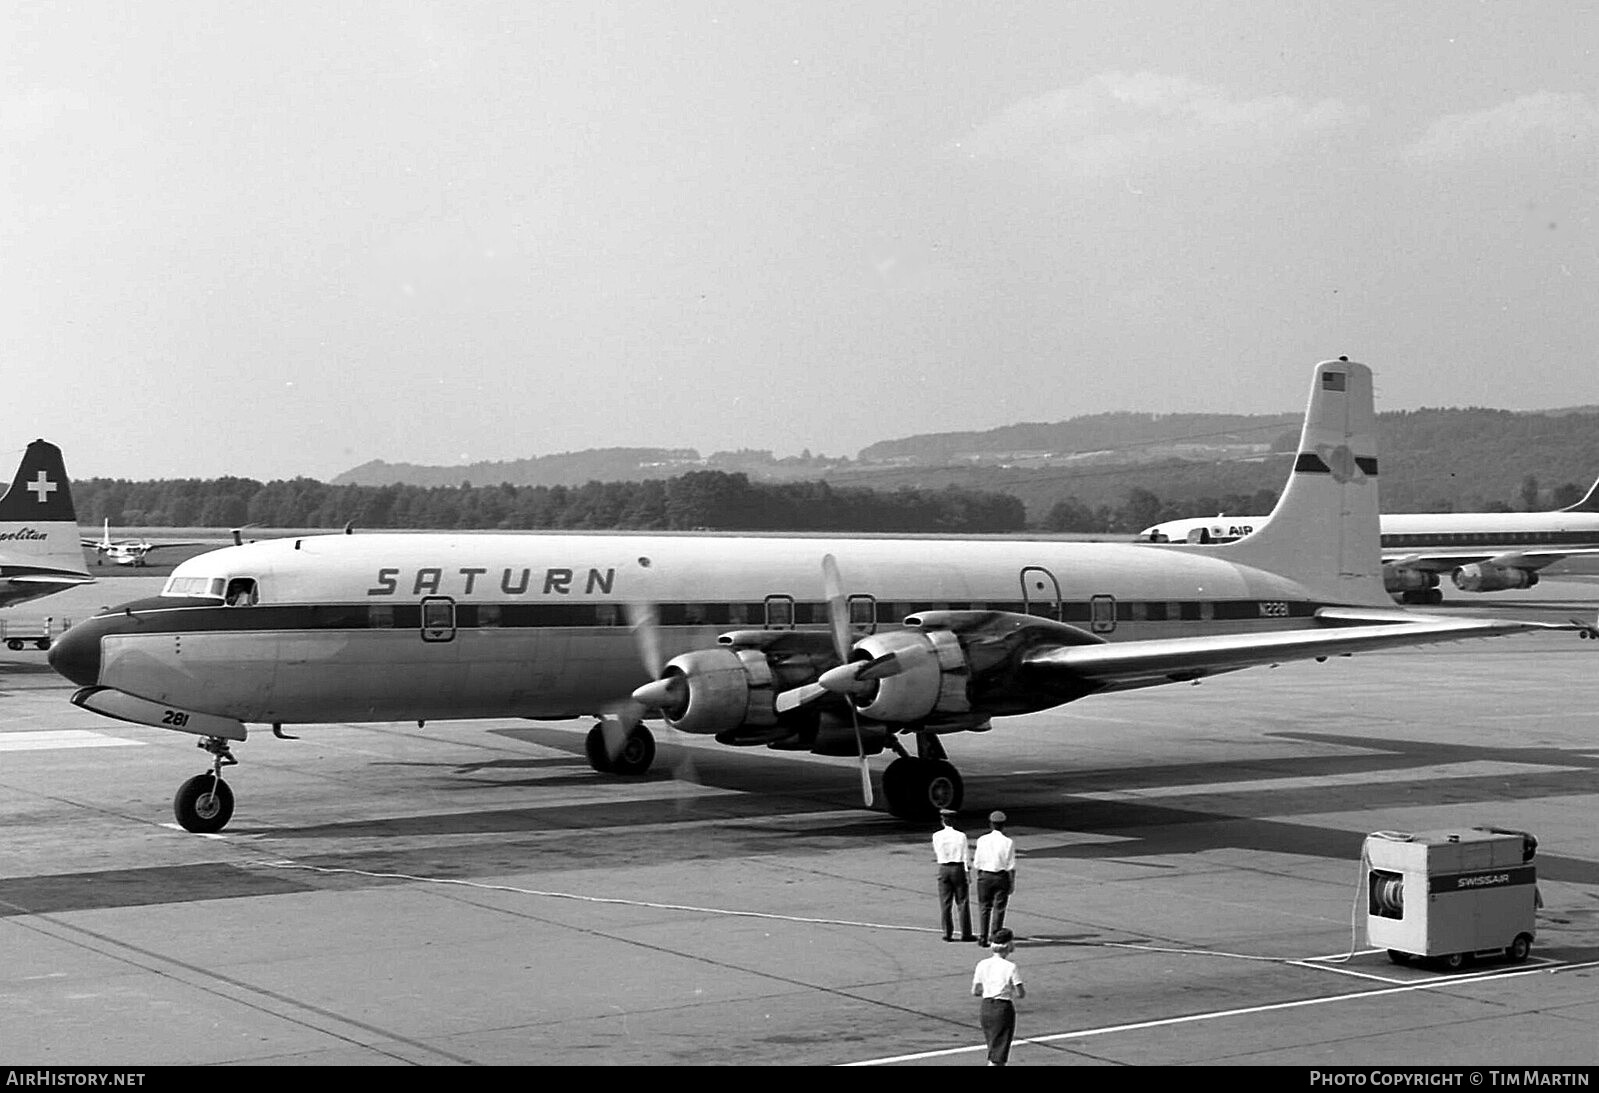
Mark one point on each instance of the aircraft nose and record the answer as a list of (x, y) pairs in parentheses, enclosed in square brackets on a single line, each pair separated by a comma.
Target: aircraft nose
[(76, 654)]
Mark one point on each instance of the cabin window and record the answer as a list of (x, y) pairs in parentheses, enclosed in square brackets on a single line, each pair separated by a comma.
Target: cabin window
[(488, 614), (779, 613), (438, 618), (738, 614), (862, 614), (241, 592), (1102, 614), (380, 616)]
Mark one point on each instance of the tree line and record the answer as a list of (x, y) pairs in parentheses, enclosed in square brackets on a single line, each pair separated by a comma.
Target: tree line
[(699, 500)]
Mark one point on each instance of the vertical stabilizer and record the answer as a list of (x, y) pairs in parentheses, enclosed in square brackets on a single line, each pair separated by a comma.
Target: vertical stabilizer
[(1324, 531), (1589, 502), (38, 525)]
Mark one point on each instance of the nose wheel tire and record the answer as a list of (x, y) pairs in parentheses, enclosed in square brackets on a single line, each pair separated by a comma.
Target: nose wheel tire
[(203, 804)]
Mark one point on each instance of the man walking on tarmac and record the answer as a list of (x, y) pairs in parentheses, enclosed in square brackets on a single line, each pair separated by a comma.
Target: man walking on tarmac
[(998, 982), (995, 862), (949, 850)]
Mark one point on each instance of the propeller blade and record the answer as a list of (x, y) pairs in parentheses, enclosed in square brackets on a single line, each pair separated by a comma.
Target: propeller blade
[(845, 676), (617, 724), (796, 697), (646, 623), (866, 768), (837, 606)]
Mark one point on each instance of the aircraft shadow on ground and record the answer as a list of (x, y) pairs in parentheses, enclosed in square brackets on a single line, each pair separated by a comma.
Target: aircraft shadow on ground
[(767, 787)]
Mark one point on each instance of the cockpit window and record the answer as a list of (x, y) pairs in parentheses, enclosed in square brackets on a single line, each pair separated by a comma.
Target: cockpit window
[(193, 586), (241, 592)]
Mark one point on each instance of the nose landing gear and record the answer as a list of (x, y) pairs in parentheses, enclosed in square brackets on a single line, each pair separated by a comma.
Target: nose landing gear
[(204, 804)]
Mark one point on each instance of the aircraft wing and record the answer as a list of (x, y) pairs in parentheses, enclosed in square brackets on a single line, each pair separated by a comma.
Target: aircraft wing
[(1120, 666), (1505, 559)]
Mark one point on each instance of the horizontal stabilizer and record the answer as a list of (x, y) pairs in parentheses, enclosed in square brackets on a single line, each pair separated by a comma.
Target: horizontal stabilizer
[(50, 578)]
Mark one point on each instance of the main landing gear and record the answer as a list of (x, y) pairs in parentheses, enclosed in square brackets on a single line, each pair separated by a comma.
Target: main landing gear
[(632, 758), (918, 787), (204, 804)]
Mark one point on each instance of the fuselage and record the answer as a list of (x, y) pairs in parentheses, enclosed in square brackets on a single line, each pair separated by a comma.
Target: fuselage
[(399, 627), (1485, 532)]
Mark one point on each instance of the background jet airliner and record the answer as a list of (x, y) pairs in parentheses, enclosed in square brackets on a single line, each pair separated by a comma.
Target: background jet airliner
[(125, 551), (39, 548), (1481, 551), (835, 646)]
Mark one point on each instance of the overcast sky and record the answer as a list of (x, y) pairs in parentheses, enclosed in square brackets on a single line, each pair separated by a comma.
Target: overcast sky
[(282, 239)]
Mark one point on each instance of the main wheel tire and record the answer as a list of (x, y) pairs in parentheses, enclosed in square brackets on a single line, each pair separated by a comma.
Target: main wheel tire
[(203, 804), (594, 748), (638, 752), (917, 788), (13, 644), (1518, 949)]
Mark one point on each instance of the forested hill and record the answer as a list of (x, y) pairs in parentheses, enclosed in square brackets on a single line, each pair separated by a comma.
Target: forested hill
[(1432, 460)]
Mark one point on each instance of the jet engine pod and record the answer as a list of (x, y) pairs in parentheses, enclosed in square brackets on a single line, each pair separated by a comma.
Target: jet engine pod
[(718, 690), (930, 678), (1487, 577)]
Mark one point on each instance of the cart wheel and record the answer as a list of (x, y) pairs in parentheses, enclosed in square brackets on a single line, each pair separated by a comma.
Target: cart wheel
[(1398, 957), (1453, 962), (1518, 949)]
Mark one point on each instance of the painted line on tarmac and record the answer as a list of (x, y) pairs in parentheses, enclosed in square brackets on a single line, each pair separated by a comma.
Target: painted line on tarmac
[(47, 739), (1470, 769), (1167, 1022), (285, 864)]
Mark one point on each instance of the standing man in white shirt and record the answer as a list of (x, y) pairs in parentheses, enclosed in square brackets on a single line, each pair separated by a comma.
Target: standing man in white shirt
[(995, 862), (950, 851), (997, 982)]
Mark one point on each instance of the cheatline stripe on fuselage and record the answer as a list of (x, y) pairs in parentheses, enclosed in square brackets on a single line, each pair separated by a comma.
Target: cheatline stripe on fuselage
[(160, 616)]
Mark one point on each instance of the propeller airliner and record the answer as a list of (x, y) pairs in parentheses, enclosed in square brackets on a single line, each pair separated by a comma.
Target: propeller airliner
[(837, 646)]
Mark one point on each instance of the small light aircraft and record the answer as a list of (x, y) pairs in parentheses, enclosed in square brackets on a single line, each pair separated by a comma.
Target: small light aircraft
[(1480, 551), (39, 548), (125, 551), (837, 646)]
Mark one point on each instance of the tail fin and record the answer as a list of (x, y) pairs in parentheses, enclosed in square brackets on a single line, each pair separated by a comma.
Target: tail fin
[(38, 524), (1324, 531), (1589, 502)]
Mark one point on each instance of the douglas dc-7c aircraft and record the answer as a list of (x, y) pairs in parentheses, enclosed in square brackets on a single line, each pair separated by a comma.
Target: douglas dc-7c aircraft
[(1481, 551), (834, 646), (39, 549)]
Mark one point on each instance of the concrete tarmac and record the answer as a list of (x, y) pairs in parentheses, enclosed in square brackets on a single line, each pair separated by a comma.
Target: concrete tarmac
[(472, 893)]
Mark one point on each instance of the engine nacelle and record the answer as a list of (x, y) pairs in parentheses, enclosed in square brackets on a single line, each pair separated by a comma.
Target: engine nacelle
[(931, 680), (1398, 578), (719, 690), (1487, 577)]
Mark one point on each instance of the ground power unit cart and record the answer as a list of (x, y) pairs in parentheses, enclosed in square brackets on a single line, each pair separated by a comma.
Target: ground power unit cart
[(1451, 896)]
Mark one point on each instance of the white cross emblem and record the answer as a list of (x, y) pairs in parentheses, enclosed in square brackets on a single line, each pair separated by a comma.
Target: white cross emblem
[(43, 487)]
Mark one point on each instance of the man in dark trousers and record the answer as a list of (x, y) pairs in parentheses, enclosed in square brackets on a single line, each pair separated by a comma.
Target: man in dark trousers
[(995, 862), (998, 983), (949, 851)]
